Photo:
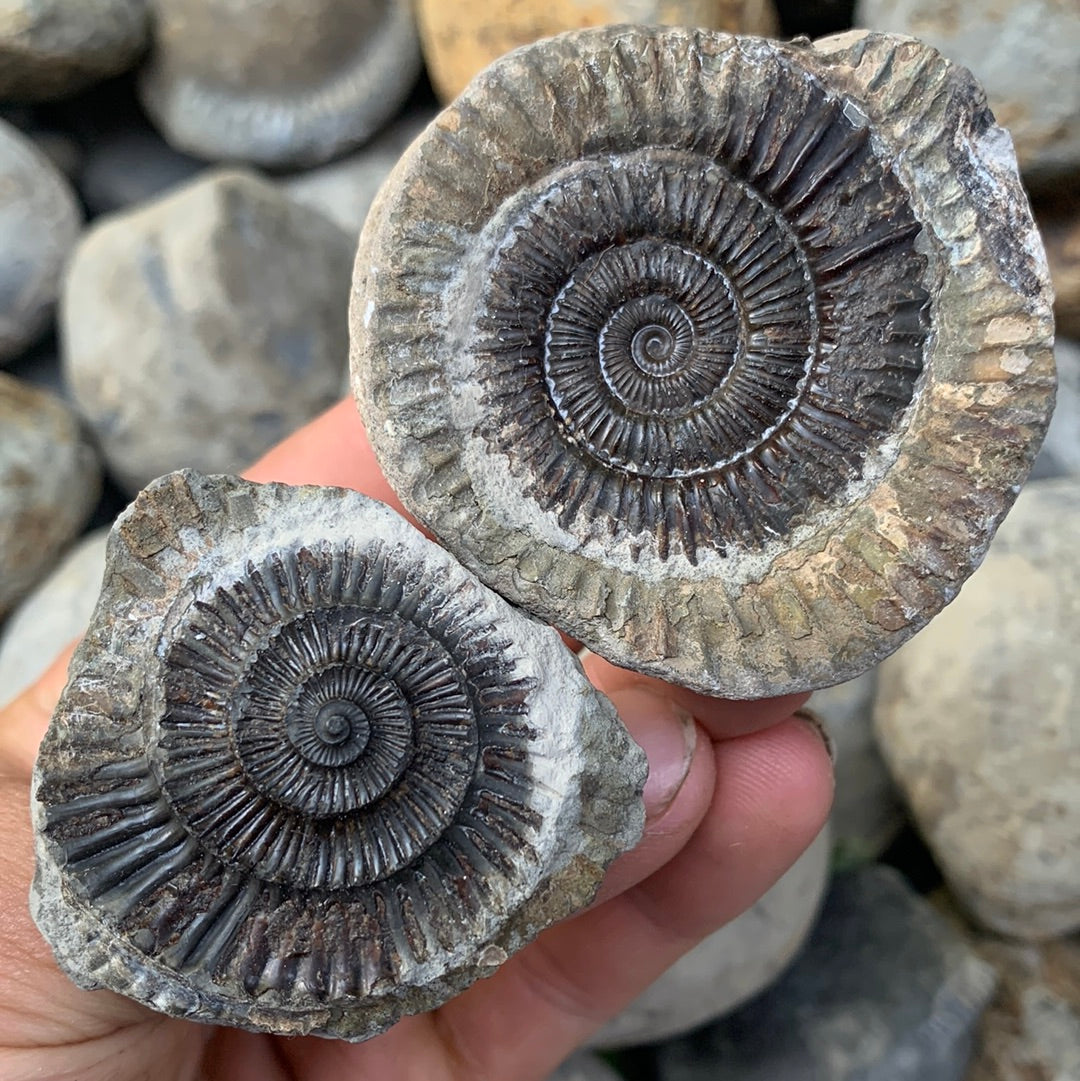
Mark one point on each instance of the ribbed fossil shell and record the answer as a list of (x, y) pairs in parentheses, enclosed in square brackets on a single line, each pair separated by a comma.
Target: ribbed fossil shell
[(724, 355), (308, 774), (278, 82)]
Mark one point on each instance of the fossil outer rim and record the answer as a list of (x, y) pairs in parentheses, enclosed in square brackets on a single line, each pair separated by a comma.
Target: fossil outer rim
[(849, 584), (106, 739)]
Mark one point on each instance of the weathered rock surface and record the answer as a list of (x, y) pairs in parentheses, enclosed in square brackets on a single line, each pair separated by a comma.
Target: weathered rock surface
[(278, 82), (49, 48), (1031, 1032), (731, 965), (345, 190), (55, 614), (1022, 51), (885, 990), (49, 482), (408, 779), (978, 719), (461, 37), (201, 329), (39, 224), (1060, 454), (580, 372), (867, 812)]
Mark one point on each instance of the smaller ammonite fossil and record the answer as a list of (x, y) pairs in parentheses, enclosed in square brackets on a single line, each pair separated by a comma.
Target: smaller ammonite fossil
[(722, 354), (308, 774), (278, 82)]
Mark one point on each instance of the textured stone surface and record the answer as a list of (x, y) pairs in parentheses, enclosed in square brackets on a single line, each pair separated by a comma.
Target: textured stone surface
[(584, 1068), (49, 48), (344, 190), (1031, 1032), (308, 774), (1060, 454), (278, 82), (52, 616), (886, 990), (1024, 53), (867, 812), (129, 165), (200, 329), (735, 401), (732, 964), (49, 483), (978, 720), (461, 37), (39, 224)]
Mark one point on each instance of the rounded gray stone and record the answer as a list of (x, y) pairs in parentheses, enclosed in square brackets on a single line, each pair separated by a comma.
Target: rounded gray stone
[(345, 190), (50, 480), (1022, 51), (978, 719), (53, 615), (50, 48), (886, 990), (39, 224), (202, 328), (278, 82), (867, 811), (732, 964)]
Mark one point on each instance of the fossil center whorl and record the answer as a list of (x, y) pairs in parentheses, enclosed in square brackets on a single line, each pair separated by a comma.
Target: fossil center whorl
[(670, 328), (337, 741)]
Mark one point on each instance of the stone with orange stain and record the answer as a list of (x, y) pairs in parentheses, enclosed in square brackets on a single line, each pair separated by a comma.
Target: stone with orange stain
[(460, 37)]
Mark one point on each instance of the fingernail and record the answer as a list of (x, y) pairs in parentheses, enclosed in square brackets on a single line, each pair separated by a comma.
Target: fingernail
[(667, 734), (818, 725)]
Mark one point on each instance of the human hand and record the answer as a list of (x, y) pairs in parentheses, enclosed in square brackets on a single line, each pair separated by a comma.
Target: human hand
[(736, 791)]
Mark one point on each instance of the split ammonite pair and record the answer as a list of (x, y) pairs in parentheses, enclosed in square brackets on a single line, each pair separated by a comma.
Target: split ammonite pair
[(724, 355)]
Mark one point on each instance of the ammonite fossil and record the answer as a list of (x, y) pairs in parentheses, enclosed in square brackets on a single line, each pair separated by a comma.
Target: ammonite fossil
[(278, 82), (309, 774), (724, 355)]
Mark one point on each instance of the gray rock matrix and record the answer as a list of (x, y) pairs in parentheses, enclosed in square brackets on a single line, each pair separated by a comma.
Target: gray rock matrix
[(308, 774), (202, 328), (979, 723), (40, 221), (50, 479), (885, 990)]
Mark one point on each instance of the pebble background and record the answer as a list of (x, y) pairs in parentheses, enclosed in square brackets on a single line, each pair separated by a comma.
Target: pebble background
[(169, 303)]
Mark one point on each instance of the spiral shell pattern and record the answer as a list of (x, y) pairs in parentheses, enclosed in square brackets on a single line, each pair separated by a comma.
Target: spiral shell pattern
[(647, 311), (340, 782)]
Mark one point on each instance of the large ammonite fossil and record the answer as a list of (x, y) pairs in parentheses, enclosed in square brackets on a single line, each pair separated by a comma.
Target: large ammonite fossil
[(308, 774), (278, 82), (724, 355)]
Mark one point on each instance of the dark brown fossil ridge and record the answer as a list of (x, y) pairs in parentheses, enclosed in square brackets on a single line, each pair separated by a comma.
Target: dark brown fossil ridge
[(308, 774), (722, 354)]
